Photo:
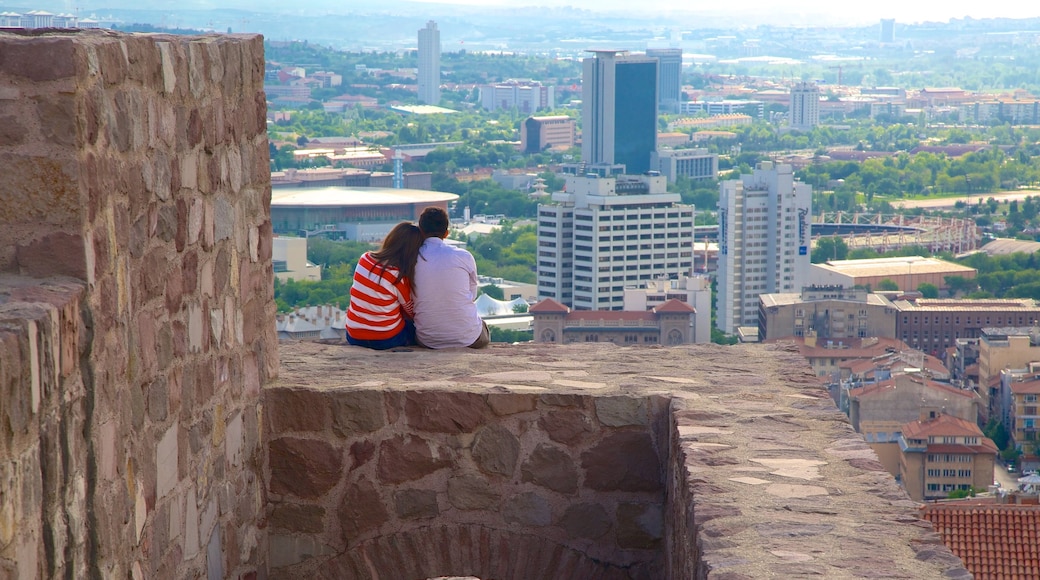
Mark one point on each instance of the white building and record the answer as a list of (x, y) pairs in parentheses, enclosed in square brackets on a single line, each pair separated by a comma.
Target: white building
[(693, 290), (605, 233), (524, 95), (289, 256), (429, 73), (805, 106), (764, 234), (692, 163)]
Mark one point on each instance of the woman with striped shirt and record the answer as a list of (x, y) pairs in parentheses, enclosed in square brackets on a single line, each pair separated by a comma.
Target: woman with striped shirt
[(380, 312)]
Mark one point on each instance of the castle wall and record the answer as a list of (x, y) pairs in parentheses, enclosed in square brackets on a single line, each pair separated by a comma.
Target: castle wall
[(136, 193)]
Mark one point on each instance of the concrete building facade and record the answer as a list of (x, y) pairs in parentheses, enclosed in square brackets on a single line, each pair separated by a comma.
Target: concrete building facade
[(933, 325), (908, 272), (693, 290), (829, 311), (553, 132), (603, 234), (940, 453), (429, 73), (526, 96), (764, 236), (619, 110), (805, 106), (669, 77), (692, 163), (289, 256)]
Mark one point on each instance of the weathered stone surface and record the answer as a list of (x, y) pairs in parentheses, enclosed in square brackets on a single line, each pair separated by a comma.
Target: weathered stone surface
[(566, 426), (528, 509), (306, 468), (624, 461), (496, 450), (357, 412), (297, 410), (441, 412), (407, 458), (585, 520), (361, 452), (416, 504), (361, 510), (511, 403), (56, 254), (551, 467), (622, 411), (298, 518), (12, 131), (24, 59), (467, 492), (639, 526)]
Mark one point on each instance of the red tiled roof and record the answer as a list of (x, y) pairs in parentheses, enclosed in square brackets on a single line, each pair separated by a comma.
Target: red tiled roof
[(995, 541), (674, 305), (1026, 387), (867, 390), (549, 305), (941, 425), (986, 446)]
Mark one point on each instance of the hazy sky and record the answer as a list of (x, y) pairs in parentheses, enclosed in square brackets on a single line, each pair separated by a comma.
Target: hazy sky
[(830, 10)]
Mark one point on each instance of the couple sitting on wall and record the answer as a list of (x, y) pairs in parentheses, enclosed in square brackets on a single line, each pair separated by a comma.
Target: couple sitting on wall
[(416, 289)]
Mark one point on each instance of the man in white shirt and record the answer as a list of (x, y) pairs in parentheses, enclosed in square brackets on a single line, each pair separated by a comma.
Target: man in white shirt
[(445, 288)]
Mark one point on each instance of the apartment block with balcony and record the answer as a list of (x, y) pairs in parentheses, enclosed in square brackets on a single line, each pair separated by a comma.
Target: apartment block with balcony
[(1000, 348), (940, 454), (1025, 420), (829, 311)]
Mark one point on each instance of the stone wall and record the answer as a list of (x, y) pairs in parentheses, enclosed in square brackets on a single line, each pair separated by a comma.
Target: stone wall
[(136, 171), (423, 483)]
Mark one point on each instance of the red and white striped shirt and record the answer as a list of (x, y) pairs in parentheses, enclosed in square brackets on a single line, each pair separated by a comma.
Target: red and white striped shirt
[(378, 305)]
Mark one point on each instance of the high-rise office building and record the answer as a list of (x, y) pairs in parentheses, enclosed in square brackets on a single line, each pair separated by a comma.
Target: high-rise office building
[(888, 30), (669, 77), (764, 234), (619, 110), (429, 73), (602, 234), (805, 106)]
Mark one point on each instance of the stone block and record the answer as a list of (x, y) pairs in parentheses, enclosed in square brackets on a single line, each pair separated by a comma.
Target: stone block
[(215, 556), (166, 462), (107, 450), (286, 550), (233, 440), (12, 131), (467, 492), (567, 426), (407, 458), (298, 518), (623, 461), (552, 468), (442, 412), (528, 508), (640, 526), (191, 525), (54, 254), (361, 452), (496, 450), (44, 59), (306, 468), (585, 520), (57, 118), (414, 504), (503, 404), (357, 412), (361, 510), (622, 411), (302, 410)]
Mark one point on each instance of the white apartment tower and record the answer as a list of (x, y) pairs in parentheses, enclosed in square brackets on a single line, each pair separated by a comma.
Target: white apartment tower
[(605, 233), (764, 234), (429, 73), (805, 106)]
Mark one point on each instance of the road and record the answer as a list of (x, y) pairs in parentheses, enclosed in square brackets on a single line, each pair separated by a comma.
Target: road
[(1007, 480), (948, 202)]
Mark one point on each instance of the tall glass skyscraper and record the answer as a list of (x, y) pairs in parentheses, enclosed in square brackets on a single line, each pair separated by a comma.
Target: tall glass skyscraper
[(619, 109), (429, 73), (669, 77)]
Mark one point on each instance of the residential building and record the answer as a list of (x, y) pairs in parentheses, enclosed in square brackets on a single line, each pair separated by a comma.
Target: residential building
[(524, 95), (429, 72), (552, 132), (828, 357), (764, 236), (605, 233), (669, 77), (933, 325), (693, 290), (888, 31), (878, 411), (619, 110), (692, 163), (289, 256), (668, 324), (829, 311), (312, 323), (907, 272), (805, 106), (697, 123), (1000, 349), (1025, 418), (940, 453)]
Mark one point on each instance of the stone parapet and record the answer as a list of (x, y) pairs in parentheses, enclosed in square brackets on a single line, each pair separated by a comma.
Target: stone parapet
[(535, 460), (138, 165)]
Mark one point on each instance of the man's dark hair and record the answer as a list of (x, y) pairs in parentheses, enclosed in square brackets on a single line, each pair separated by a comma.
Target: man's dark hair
[(433, 221)]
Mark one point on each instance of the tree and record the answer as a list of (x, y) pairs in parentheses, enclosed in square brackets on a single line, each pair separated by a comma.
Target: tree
[(492, 291), (887, 285), (832, 248), (927, 290)]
